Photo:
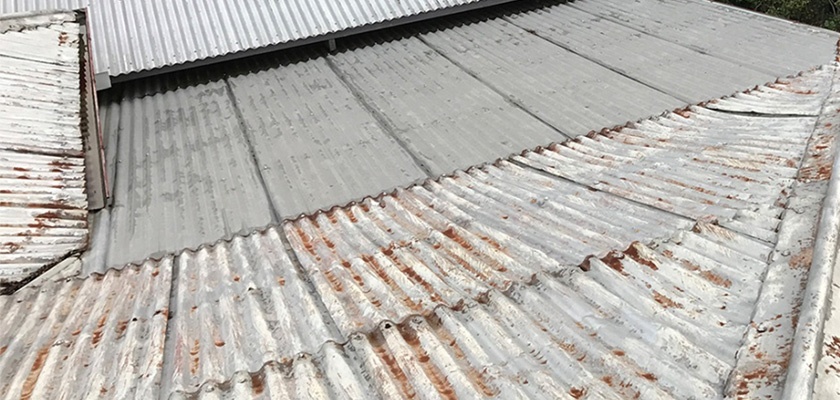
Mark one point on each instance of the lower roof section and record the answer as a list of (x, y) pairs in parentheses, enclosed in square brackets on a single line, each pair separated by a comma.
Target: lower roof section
[(679, 274), (207, 153)]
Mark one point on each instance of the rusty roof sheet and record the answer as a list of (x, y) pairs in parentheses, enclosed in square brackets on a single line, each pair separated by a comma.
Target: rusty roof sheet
[(43, 202), (660, 259)]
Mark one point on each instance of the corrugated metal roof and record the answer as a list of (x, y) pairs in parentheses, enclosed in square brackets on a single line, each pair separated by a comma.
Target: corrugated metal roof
[(407, 105), (515, 279), (43, 204), (139, 35)]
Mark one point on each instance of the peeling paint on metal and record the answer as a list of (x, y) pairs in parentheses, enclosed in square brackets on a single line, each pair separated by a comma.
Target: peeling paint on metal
[(43, 202)]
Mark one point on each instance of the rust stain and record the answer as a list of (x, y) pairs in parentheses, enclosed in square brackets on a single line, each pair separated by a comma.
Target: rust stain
[(832, 349), (450, 233), (34, 373), (196, 347), (414, 276), (155, 271), (236, 278), (618, 352), (439, 379), (307, 242), (121, 327), (802, 260), (665, 301), (334, 282), (257, 384), (716, 279), (281, 281), (62, 38), (397, 372), (3, 350), (633, 252), (219, 342), (97, 333), (613, 260), (396, 289), (649, 376), (12, 247), (349, 213), (577, 392)]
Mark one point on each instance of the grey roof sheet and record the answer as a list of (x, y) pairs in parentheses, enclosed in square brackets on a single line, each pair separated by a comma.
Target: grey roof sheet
[(408, 105), (138, 35), (512, 279), (43, 203)]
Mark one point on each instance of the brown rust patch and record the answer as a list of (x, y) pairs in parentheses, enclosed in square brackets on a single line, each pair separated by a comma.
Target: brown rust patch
[(608, 380), (334, 282), (257, 384), (802, 260), (34, 373), (716, 279), (281, 281), (633, 252), (649, 376), (396, 289), (832, 349), (195, 360), (450, 233), (613, 260), (665, 301), (618, 352), (121, 327), (3, 349), (438, 378), (577, 392), (11, 247), (379, 347), (476, 378), (97, 333), (349, 213), (307, 242)]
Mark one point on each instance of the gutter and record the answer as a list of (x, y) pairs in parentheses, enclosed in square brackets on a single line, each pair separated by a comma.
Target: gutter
[(808, 338)]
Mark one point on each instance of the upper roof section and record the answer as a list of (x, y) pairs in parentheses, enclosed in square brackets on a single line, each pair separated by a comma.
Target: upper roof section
[(143, 35), (43, 117), (134, 38)]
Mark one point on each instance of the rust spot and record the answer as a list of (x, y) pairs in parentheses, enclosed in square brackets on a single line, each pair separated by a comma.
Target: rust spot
[(102, 390), (21, 169), (397, 372), (307, 242), (665, 301), (281, 281), (349, 213), (334, 282), (194, 350), (219, 342), (832, 349), (236, 278), (62, 38), (3, 350), (613, 260), (450, 233), (607, 379), (649, 376), (633, 252), (618, 352), (34, 372), (716, 279), (504, 217), (12, 247), (76, 332), (439, 379), (97, 333), (329, 243), (802, 260), (257, 384), (396, 289), (155, 272), (684, 112), (577, 393), (121, 327)]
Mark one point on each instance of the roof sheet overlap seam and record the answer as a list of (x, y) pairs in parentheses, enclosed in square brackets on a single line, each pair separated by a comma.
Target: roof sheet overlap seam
[(376, 198)]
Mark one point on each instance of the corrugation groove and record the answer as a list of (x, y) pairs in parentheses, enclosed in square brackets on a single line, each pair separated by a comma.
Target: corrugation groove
[(43, 202)]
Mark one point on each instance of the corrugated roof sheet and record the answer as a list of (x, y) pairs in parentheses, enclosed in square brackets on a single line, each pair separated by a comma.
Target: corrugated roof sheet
[(515, 279), (139, 35), (43, 203), (309, 130), (133, 36)]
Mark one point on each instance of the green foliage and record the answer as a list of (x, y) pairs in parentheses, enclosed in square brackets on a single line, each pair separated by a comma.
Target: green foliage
[(822, 13)]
